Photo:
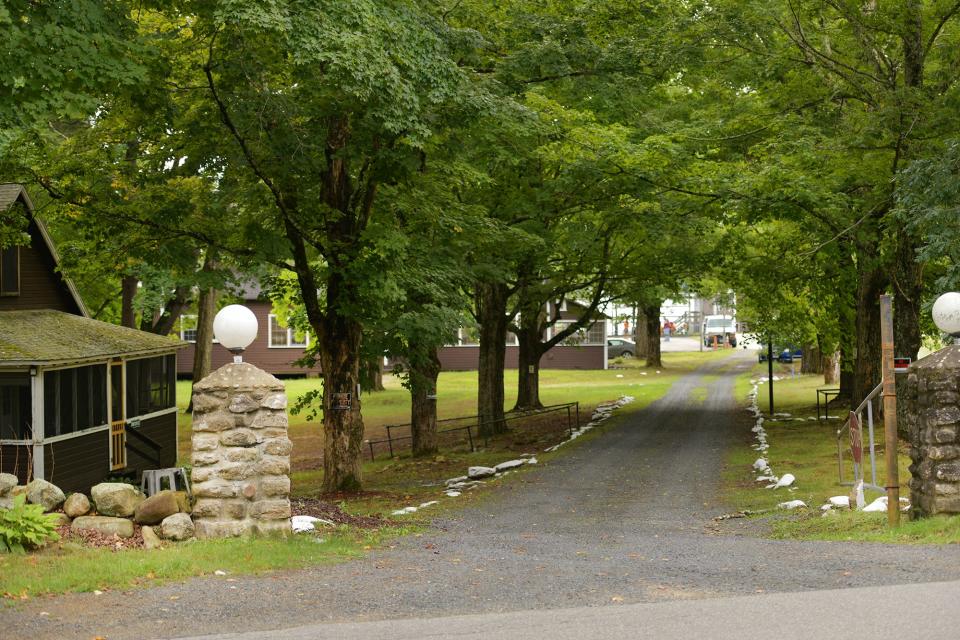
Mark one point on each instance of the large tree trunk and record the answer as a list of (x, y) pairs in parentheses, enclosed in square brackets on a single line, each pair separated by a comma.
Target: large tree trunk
[(528, 374), (908, 289), (641, 335), (340, 338), (203, 347), (372, 378), (651, 314), (424, 371), (492, 316), (831, 368), (866, 373), (163, 324), (128, 291)]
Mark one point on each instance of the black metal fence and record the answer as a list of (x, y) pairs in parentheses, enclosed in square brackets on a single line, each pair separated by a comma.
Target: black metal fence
[(467, 429)]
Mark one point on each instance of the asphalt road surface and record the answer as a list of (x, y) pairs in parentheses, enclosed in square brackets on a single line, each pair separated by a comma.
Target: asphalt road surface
[(616, 532)]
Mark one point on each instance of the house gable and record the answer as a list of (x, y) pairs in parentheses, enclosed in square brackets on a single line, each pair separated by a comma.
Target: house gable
[(41, 286)]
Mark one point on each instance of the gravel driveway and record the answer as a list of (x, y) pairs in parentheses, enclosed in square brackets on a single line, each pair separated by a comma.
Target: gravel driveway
[(625, 517)]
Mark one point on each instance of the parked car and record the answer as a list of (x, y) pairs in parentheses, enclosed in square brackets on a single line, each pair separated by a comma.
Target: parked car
[(782, 354), (621, 348)]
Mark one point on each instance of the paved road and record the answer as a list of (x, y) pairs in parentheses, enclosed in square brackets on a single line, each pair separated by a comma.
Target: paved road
[(624, 518), (848, 614)]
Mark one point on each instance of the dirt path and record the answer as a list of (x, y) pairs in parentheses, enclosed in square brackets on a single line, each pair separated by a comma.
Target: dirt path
[(625, 517)]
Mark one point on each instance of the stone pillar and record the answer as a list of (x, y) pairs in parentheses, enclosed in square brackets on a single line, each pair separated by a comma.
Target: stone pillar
[(240, 453), (933, 421)]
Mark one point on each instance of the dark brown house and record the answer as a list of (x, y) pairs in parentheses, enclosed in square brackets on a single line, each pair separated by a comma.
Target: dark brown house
[(586, 350), (275, 349), (80, 399)]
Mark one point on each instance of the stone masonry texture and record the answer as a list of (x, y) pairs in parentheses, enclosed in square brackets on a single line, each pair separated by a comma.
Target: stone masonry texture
[(933, 423), (240, 454)]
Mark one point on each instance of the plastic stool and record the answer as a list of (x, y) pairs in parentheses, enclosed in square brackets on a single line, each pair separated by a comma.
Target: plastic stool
[(152, 479)]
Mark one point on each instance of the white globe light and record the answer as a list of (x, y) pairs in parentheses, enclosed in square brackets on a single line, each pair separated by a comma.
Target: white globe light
[(946, 313), (235, 327)]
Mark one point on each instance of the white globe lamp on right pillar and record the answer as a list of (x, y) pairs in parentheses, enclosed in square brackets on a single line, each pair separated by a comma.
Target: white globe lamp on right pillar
[(946, 315)]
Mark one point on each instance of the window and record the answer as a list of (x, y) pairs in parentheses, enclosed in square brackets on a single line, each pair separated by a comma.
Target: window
[(592, 334), (279, 336), (16, 408), (469, 335), (74, 399), (151, 385), (10, 271), (511, 338), (188, 328)]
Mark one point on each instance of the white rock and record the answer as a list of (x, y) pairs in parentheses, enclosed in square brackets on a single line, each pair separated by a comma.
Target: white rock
[(767, 479), (453, 494), (531, 460), (759, 464), (480, 472), (399, 512), (429, 504), (840, 501), (456, 480), (619, 375), (877, 506), (410, 509), (792, 504), (305, 524), (785, 480), (509, 464), (219, 572)]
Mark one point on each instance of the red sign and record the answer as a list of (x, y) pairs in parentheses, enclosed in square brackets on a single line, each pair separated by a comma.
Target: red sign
[(901, 364), (856, 439)]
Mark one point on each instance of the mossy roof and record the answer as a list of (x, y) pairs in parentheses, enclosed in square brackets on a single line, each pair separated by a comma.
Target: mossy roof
[(46, 337)]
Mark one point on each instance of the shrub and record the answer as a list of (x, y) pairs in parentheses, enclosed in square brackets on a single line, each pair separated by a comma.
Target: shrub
[(25, 526)]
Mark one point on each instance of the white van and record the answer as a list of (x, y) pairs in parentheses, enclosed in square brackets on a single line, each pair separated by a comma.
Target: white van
[(723, 328)]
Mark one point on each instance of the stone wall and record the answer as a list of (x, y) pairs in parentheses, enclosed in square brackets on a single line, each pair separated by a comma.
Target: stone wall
[(240, 454), (932, 413)]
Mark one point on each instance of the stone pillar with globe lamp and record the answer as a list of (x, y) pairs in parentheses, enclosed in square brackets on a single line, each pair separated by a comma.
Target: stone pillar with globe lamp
[(240, 446), (933, 414)]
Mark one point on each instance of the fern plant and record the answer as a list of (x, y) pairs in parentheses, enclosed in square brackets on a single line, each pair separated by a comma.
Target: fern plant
[(25, 526)]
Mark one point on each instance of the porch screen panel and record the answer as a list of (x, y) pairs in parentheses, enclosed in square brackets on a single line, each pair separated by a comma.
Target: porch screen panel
[(151, 385), (74, 399), (16, 407)]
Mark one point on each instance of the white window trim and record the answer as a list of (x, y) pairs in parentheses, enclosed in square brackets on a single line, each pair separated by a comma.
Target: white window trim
[(586, 342), (273, 318)]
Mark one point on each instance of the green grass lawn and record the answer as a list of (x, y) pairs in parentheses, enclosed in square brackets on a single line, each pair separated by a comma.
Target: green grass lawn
[(808, 450)]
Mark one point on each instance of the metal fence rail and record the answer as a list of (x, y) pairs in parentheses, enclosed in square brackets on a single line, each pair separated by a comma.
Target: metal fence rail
[(473, 428), (858, 471)]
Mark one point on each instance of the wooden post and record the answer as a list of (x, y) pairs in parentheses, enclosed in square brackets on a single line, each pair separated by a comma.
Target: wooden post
[(890, 411), (770, 373)]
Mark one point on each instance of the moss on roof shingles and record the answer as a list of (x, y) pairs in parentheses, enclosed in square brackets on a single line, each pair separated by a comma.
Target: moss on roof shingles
[(42, 336)]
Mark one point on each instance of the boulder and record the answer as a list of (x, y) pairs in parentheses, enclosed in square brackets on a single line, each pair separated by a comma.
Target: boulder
[(6, 502), (179, 526), (7, 482), (105, 525), (509, 464), (76, 505), (45, 494), (157, 507), (116, 499), (475, 473), (59, 519), (150, 539)]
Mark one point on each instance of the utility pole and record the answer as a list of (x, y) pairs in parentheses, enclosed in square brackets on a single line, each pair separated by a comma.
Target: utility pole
[(889, 412)]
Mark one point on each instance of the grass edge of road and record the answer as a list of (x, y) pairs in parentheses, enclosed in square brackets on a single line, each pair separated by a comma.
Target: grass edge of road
[(807, 449)]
